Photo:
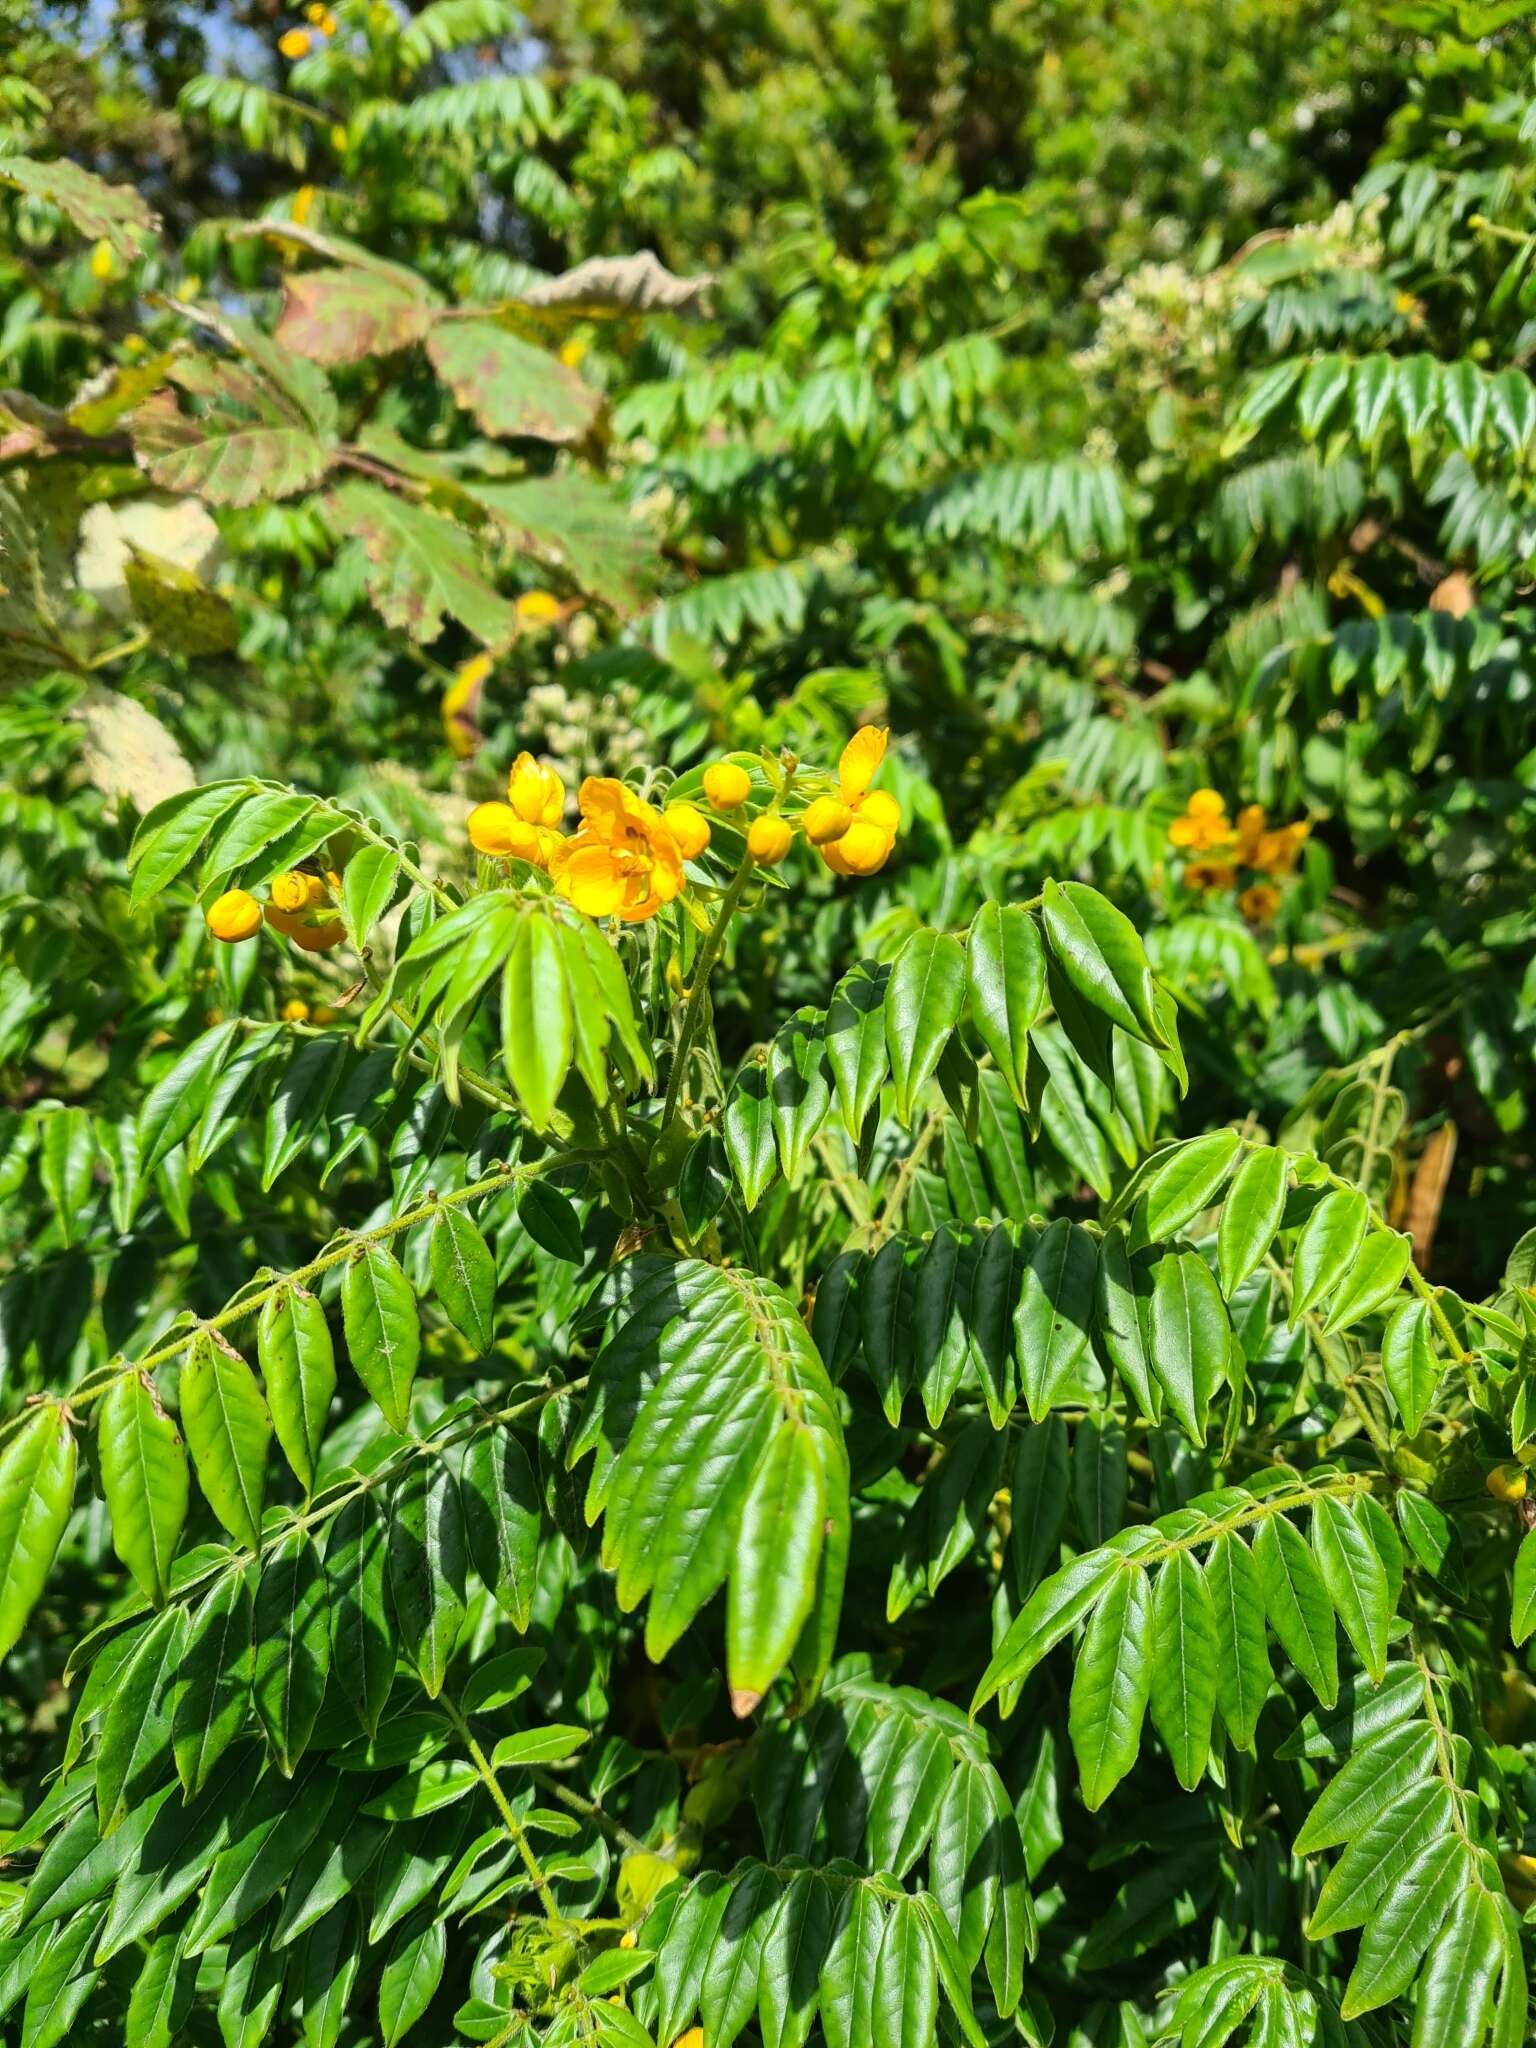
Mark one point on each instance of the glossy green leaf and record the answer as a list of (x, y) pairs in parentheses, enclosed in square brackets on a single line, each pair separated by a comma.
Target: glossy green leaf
[(536, 1027), (1110, 1685), (1326, 1248), (1243, 1674), (1408, 1362), (361, 1626), (1005, 970), (1185, 1650), (1102, 957), (1186, 1183), (144, 1478), (298, 1365), (1356, 1580), (228, 1430), (1250, 1215), (427, 1561), (37, 1492), (1055, 1314), (212, 1695), (464, 1276), (1189, 1336), (922, 1007), (383, 1332), (411, 1974), (1296, 1604), (293, 1649)]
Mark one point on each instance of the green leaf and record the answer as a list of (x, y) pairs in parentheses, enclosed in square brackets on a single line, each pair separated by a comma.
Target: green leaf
[(179, 1097), (778, 1549), (1433, 1538), (1326, 1248), (856, 1049), (702, 1371), (1455, 2001), (296, 1113), (298, 1365), (1110, 1685), (1297, 1606), (552, 1222), (1243, 1675), (585, 524), (1185, 1652), (144, 1479), (550, 1745), (135, 1738), (953, 1972), (162, 1994), (412, 1971), (1055, 1314), (1408, 1362), (748, 1130), (464, 1276), (169, 836), (904, 2009), (1051, 1611), (420, 567), (512, 387), (293, 1650), (67, 1168), (117, 214), (1103, 958), (378, 1315), (1038, 1492), (427, 1559), (1122, 1318), (213, 1684), (922, 1007), (1522, 1617), (37, 1493), (368, 886), (799, 1086), (1187, 1182), (1250, 1215), (536, 1028), (228, 1430), (850, 1969), (1356, 1581), (1379, 1772), (362, 1629), (1005, 970), (248, 442), (1374, 1278), (1189, 1336), (502, 1513), (1403, 1926)]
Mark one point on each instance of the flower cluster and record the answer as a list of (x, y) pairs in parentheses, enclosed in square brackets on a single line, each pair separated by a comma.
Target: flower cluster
[(297, 42), (298, 906), (1225, 846), (626, 858)]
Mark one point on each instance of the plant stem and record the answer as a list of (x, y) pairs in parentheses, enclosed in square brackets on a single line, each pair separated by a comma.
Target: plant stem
[(890, 1215), (693, 1016), (336, 1255), (590, 1810), (509, 1819)]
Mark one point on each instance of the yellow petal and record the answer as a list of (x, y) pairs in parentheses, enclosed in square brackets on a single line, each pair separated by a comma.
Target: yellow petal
[(861, 757), (590, 878), (826, 820), (879, 808)]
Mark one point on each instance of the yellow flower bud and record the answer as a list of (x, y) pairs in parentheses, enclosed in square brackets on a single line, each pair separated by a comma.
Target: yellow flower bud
[(235, 916), (497, 830), (295, 1010), (1507, 1482), (826, 819), (294, 43), (726, 785), (296, 891), (689, 827), (538, 608), (768, 840), (103, 262), (339, 138), (1207, 803), (303, 202), (863, 849)]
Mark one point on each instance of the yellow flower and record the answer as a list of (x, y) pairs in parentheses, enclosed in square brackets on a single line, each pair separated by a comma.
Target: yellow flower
[(313, 934), (1209, 874), (624, 861), (536, 794), (497, 831), (694, 2038), (1259, 902), (827, 818), (235, 916), (1278, 852), (863, 845), (461, 705), (327, 23), (572, 351), (295, 1010), (539, 608), (768, 840), (1250, 830), (314, 14), (297, 891), (689, 827), (294, 43), (303, 200), (103, 262), (339, 138), (727, 785), (1207, 803)]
